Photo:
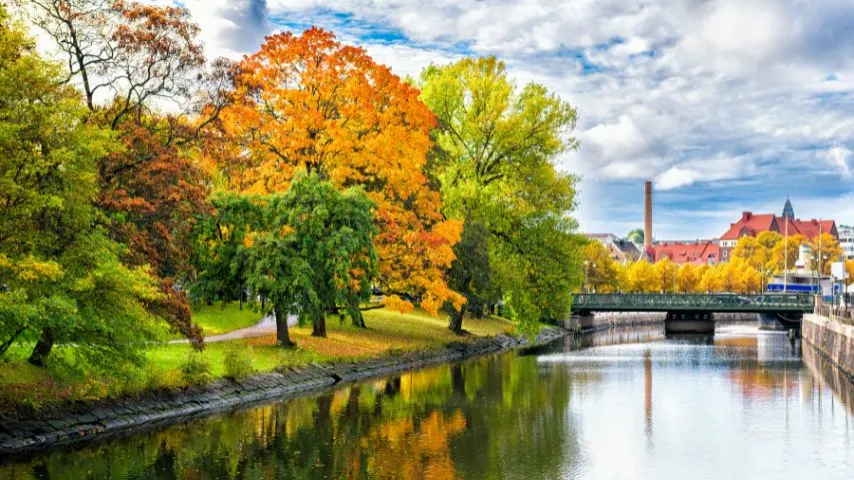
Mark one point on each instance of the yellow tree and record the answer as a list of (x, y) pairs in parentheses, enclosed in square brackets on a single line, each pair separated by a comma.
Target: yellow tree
[(640, 278), (688, 278), (791, 247), (308, 103), (712, 279), (665, 275), (758, 252), (849, 267), (600, 269), (825, 250)]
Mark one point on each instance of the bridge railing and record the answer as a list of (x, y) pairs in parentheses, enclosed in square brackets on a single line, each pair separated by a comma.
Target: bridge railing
[(725, 302)]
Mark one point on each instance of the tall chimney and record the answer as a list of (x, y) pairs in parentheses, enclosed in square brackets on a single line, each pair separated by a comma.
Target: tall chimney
[(647, 214)]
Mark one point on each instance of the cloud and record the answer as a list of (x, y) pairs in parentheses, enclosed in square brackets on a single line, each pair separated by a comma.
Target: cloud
[(725, 103), (838, 157), (230, 28)]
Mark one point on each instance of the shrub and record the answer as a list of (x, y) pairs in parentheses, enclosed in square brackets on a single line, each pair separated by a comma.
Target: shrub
[(196, 370), (237, 363)]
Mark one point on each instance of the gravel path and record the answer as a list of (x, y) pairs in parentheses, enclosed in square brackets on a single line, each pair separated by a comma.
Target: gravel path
[(267, 326)]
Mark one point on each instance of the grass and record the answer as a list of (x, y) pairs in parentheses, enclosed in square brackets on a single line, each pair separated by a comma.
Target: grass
[(217, 319), (22, 385)]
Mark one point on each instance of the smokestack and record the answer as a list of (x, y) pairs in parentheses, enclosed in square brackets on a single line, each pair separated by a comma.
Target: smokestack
[(647, 215)]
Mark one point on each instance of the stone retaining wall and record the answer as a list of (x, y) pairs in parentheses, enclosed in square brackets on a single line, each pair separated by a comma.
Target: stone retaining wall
[(604, 321), (90, 420), (832, 339)]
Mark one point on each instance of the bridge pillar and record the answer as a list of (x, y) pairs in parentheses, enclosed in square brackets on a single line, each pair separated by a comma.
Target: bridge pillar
[(578, 322), (689, 322), (769, 321)]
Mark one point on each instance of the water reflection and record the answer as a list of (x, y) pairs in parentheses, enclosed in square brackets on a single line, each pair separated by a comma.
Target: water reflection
[(628, 404)]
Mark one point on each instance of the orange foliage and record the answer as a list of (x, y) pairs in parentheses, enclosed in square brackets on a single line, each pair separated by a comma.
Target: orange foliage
[(308, 103)]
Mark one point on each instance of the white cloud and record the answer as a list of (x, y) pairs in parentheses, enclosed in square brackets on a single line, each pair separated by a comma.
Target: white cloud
[(838, 157), (697, 94)]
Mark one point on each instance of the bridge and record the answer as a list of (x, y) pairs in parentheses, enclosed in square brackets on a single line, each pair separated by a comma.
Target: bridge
[(695, 312)]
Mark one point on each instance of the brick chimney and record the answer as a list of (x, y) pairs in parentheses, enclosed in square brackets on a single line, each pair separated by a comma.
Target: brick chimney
[(647, 215)]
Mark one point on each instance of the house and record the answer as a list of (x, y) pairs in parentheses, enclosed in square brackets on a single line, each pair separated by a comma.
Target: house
[(620, 249), (751, 225), (700, 252)]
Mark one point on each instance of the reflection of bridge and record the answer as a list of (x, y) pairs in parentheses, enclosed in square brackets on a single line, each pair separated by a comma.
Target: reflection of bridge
[(692, 312)]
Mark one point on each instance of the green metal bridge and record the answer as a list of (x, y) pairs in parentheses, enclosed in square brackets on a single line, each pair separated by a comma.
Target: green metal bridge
[(712, 303)]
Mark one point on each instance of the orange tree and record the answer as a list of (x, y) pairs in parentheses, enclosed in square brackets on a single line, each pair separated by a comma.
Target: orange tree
[(307, 103)]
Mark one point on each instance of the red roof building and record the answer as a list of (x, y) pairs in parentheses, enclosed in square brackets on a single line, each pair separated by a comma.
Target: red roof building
[(751, 225), (696, 253)]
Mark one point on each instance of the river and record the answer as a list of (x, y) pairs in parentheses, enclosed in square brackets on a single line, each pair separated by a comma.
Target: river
[(620, 404)]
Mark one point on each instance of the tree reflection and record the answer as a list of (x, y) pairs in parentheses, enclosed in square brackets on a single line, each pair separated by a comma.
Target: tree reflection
[(487, 418)]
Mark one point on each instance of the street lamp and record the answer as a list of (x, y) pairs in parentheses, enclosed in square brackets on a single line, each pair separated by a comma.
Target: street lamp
[(587, 264)]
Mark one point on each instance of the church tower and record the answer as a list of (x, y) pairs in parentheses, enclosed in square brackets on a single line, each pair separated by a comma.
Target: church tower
[(788, 211)]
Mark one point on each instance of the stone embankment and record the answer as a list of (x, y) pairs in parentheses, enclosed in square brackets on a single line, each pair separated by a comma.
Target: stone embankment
[(832, 338), (86, 421), (604, 321)]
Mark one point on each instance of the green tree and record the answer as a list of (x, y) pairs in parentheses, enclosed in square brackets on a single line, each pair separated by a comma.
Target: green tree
[(62, 277), (495, 147), (470, 274), (315, 253), (636, 236)]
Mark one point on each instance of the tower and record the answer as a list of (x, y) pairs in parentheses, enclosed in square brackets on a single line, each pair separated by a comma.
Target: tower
[(788, 211), (647, 215)]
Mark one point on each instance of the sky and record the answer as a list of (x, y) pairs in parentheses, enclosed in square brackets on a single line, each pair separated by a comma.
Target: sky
[(725, 105)]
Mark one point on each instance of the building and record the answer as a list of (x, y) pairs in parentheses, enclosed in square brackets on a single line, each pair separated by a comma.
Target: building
[(751, 225), (620, 249), (700, 252), (846, 240)]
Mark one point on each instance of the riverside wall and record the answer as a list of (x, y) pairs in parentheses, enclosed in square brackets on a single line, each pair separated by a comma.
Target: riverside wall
[(604, 321), (832, 339), (82, 421)]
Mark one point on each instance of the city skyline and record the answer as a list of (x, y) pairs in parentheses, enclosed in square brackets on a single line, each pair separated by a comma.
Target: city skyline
[(727, 106)]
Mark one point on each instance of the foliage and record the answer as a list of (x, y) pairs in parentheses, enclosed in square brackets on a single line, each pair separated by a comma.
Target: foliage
[(825, 250), (63, 279), (196, 369), (636, 236), (470, 274), (601, 269), (316, 251), (237, 363), (307, 103), (494, 153)]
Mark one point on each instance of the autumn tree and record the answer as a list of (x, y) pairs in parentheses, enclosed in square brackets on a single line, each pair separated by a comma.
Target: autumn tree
[(825, 251), (758, 252), (665, 275), (785, 253), (129, 59), (601, 269), (315, 254), (308, 103), (63, 281), (688, 278), (495, 148), (640, 278)]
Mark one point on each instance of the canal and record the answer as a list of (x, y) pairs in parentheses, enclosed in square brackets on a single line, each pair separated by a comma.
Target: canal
[(620, 404)]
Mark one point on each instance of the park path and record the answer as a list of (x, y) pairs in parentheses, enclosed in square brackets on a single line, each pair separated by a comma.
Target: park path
[(267, 326)]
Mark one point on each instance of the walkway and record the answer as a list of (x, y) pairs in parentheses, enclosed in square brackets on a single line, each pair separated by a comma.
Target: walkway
[(267, 326)]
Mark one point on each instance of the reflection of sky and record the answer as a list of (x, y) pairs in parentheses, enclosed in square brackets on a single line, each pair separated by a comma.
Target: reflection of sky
[(745, 408)]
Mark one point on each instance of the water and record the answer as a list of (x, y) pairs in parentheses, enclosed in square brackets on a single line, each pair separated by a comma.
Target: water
[(741, 404)]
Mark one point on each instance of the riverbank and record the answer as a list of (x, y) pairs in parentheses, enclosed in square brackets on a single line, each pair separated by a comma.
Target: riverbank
[(833, 339), (81, 421)]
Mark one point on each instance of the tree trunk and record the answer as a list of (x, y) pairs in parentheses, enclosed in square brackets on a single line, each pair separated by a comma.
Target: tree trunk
[(8, 343), (357, 318), (43, 348), (282, 335), (319, 326), (456, 321)]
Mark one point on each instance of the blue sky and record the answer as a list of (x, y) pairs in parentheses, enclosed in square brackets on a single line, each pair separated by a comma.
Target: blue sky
[(727, 105)]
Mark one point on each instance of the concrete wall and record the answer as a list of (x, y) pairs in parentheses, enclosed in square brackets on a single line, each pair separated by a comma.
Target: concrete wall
[(832, 339)]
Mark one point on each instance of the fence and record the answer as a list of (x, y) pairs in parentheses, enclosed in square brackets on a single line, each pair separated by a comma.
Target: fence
[(842, 315)]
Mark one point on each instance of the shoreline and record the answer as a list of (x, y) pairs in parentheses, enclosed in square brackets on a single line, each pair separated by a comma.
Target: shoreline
[(90, 421)]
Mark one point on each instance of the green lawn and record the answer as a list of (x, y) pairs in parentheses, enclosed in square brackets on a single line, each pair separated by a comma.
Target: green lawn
[(24, 385), (217, 319)]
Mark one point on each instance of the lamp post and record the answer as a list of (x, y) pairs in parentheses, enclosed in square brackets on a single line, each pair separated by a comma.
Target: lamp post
[(586, 285)]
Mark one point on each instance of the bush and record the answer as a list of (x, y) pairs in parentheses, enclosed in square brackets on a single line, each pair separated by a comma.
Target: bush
[(237, 363), (196, 370)]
